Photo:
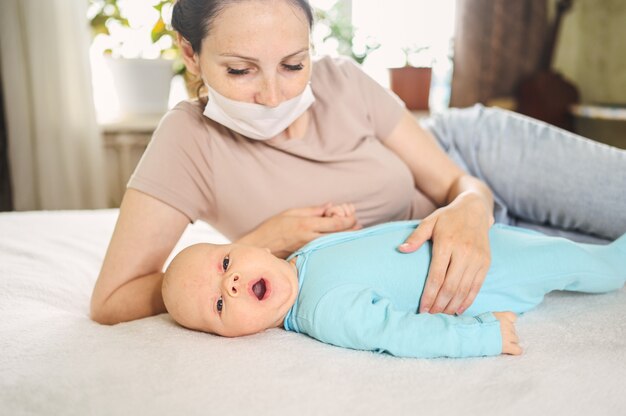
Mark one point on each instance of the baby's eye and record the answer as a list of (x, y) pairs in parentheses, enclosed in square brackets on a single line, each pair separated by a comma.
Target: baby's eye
[(220, 304), (225, 263)]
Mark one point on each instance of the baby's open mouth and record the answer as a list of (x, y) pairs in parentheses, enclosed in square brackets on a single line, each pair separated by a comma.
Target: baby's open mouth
[(259, 289)]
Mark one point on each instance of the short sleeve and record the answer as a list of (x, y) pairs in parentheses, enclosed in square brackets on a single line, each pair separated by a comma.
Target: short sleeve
[(385, 109), (174, 167)]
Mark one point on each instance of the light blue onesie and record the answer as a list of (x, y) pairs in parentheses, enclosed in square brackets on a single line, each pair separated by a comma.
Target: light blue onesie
[(357, 291)]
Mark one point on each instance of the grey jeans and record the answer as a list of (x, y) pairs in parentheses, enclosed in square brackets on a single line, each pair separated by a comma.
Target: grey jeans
[(542, 177)]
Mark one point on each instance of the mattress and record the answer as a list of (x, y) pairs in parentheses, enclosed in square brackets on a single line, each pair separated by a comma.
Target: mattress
[(55, 360)]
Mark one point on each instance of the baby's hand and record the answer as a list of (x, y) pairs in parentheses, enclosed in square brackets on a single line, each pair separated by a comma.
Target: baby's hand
[(510, 341), (343, 210)]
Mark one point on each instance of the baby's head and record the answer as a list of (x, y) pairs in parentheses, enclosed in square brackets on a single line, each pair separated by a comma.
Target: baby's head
[(229, 290)]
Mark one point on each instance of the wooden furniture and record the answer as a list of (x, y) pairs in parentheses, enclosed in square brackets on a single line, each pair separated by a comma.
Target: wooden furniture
[(603, 123), (124, 142), (546, 95)]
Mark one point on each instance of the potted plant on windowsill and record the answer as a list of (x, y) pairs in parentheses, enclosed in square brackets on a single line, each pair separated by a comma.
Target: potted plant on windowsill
[(139, 51), (411, 82), (336, 26)]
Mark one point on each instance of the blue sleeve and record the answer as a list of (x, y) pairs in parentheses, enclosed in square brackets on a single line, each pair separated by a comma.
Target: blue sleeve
[(359, 318)]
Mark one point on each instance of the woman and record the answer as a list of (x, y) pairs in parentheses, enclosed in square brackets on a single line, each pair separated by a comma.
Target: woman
[(280, 136)]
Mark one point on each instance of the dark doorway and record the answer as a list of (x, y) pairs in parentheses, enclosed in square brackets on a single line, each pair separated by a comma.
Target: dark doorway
[(6, 197)]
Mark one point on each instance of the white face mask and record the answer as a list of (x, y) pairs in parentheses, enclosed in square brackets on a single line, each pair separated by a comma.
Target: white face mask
[(257, 121)]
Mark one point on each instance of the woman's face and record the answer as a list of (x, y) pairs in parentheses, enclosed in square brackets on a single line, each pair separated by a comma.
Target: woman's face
[(257, 52)]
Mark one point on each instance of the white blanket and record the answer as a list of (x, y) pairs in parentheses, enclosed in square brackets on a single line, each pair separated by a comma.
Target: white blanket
[(54, 360)]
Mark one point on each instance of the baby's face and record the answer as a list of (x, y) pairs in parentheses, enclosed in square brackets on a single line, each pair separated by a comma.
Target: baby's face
[(229, 290)]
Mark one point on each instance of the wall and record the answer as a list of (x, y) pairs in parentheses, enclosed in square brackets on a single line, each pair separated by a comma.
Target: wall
[(591, 51)]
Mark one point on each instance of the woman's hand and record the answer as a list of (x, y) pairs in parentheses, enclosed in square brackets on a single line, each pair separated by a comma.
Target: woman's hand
[(510, 341), (460, 254), (288, 231)]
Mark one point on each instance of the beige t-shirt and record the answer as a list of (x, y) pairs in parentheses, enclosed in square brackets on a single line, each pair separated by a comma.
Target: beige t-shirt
[(209, 172)]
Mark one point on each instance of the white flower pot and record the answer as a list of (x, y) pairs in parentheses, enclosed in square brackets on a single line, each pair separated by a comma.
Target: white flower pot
[(142, 86)]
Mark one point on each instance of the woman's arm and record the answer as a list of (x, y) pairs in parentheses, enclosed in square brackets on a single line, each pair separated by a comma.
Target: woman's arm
[(129, 284), (459, 230), (288, 231)]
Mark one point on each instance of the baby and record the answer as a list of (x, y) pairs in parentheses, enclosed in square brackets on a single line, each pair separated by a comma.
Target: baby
[(355, 290)]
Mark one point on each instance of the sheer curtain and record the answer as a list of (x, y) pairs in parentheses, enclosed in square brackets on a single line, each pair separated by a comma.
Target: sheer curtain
[(55, 151), (497, 43)]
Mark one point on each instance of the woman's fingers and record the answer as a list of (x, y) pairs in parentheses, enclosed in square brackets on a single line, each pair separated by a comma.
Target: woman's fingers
[(330, 224), (289, 230), (470, 283), (314, 211), (462, 290), (342, 210), (477, 283), (448, 293), (468, 267), (436, 277), (422, 233), (454, 279)]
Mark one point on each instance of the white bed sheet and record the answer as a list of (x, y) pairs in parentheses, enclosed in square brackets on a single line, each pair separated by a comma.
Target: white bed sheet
[(54, 360)]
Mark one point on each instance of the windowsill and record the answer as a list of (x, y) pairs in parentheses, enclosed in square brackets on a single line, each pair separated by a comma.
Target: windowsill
[(141, 124), (600, 112), (603, 123)]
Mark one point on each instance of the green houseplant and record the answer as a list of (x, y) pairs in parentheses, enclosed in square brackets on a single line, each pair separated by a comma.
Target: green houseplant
[(339, 28), (106, 13), (139, 51)]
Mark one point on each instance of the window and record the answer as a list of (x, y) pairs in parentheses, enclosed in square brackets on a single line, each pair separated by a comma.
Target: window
[(402, 24), (390, 26)]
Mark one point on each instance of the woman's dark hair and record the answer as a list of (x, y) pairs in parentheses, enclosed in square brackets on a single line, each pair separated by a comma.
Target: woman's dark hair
[(192, 19)]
